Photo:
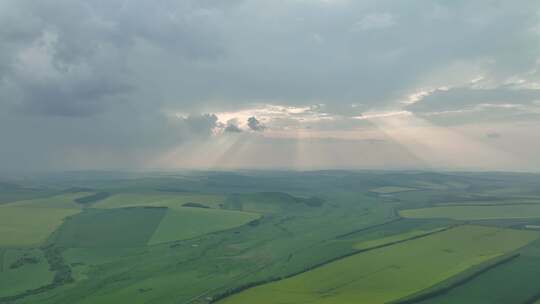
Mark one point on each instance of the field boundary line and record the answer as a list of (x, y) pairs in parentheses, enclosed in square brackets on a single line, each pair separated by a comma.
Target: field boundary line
[(532, 300), (2, 257), (342, 236), (459, 282), (239, 289)]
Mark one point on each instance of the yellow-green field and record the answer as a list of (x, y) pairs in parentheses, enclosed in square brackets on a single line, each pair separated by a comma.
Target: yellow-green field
[(185, 223), (159, 200), (64, 201), (393, 272), (28, 226), (393, 238), (475, 212)]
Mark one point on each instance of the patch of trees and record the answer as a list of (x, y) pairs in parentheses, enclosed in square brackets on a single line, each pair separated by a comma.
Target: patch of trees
[(345, 235), (178, 190), (90, 199), (313, 201), (532, 300), (62, 274), (78, 189), (254, 223), (195, 205), (23, 261), (241, 288)]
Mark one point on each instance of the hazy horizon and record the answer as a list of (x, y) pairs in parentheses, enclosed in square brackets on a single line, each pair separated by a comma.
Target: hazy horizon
[(292, 85)]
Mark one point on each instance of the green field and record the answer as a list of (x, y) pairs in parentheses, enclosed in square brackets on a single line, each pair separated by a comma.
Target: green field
[(391, 189), (191, 237), (475, 212), (18, 277), (514, 282), (27, 226), (390, 273), (394, 238), (160, 199), (185, 223), (124, 227), (63, 201)]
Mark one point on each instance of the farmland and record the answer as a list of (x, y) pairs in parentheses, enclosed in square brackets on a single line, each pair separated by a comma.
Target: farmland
[(159, 200), (22, 270), (487, 212), (384, 275), (271, 237), (186, 222), (125, 227), (20, 226)]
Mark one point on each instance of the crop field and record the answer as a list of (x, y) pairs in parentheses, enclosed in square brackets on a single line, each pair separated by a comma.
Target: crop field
[(476, 212), (160, 200), (63, 201), (22, 270), (390, 273), (26, 226), (125, 227), (513, 282), (394, 238), (272, 237), (186, 222), (11, 192)]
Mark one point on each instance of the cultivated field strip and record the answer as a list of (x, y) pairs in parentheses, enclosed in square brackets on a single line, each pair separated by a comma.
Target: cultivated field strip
[(383, 275)]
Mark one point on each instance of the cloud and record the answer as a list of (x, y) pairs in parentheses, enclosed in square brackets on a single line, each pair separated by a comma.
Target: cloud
[(109, 77), (71, 58), (375, 22), (254, 124), (232, 126), (466, 97), (493, 135), (202, 124)]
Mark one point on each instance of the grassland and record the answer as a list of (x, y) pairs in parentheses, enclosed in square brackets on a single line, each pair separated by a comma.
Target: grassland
[(11, 192), (392, 272), (27, 226), (124, 227), (63, 201), (394, 238), (121, 248), (514, 282), (390, 190), (23, 270), (475, 212), (171, 200), (185, 223)]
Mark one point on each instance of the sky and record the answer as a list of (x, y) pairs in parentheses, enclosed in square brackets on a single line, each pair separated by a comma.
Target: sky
[(269, 84)]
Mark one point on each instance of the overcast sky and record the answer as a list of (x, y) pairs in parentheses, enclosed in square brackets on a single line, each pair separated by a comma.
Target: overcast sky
[(297, 84)]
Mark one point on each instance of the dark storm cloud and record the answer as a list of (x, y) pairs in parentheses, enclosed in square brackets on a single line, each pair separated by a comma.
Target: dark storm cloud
[(232, 126), (255, 125), (80, 49), (201, 124), (299, 52), (78, 98), (117, 73)]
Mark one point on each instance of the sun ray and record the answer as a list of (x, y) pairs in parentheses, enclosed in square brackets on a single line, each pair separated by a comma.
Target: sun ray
[(438, 146)]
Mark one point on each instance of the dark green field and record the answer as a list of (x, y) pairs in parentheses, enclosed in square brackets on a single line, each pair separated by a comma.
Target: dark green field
[(123, 227), (271, 237)]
